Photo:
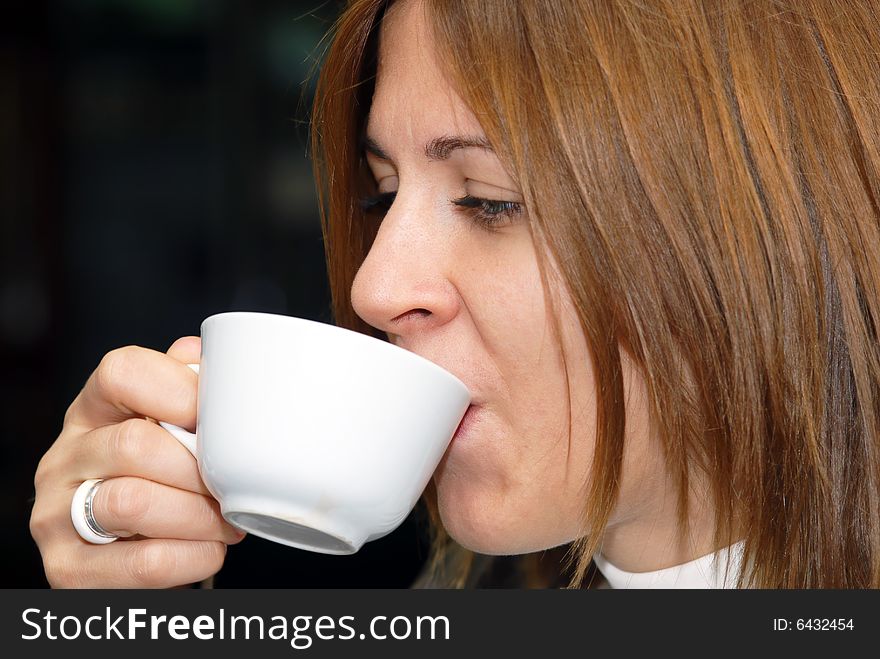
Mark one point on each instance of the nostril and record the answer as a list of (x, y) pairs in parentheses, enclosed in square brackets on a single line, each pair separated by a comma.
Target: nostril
[(418, 313)]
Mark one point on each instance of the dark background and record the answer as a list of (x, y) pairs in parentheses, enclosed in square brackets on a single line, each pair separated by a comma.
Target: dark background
[(153, 171)]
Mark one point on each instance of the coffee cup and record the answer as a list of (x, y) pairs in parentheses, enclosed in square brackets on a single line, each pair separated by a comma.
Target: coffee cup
[(316, 436)]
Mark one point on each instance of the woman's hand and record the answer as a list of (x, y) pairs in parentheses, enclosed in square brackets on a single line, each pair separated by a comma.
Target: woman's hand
[(171, 531)]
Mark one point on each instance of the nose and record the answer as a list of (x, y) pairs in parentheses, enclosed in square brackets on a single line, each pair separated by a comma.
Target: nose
[(403, 286)]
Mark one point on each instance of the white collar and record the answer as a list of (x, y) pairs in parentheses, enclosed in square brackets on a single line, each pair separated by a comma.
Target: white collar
[(704, 572)]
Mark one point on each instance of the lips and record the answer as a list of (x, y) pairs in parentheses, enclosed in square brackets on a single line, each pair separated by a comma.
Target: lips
[(466, 422), (476, 397)]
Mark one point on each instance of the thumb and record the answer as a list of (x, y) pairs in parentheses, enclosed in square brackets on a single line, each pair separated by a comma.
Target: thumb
[(186, 349)]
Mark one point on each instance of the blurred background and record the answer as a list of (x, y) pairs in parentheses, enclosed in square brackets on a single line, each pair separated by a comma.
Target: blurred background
[(153, 171)]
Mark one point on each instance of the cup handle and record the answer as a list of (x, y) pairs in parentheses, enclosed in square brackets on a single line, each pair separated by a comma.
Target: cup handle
[(182, 435)]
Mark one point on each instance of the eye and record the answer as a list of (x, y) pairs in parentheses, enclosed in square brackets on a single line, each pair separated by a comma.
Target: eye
[(488, 213), (378, 204)]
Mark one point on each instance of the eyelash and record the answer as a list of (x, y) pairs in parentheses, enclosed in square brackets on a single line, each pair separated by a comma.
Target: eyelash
[(488, 213)]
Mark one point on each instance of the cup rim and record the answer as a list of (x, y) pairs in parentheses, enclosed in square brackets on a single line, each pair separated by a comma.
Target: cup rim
[(350, 334)]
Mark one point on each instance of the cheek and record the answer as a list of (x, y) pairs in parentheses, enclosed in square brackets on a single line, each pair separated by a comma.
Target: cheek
[(521, 487)]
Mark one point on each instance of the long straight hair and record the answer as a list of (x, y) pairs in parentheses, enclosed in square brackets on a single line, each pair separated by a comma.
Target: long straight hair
[(707, 178)]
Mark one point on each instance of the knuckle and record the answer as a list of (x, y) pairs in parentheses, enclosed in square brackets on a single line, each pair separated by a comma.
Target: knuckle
[(127, 445), (61, 572), (53, 463), (69, 412), (115, 370), (126, 500), (39, 523), (148, 562), (43, 472)]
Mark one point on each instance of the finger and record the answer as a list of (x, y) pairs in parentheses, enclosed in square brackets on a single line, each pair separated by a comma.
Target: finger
[(187, 349), (148, 563), (128, 506), (50, 523), (136, 381), (134, 447)]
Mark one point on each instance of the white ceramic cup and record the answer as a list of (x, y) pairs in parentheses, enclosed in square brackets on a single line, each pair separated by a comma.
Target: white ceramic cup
[(315, 436)]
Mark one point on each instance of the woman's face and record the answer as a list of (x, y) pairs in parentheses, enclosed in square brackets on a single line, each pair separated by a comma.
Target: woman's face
[(468, 296)]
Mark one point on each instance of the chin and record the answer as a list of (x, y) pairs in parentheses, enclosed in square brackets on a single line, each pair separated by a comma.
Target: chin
[(484, 527), (477, 540)]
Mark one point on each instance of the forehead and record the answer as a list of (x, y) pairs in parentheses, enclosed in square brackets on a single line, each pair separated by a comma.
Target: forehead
[(412, 96)]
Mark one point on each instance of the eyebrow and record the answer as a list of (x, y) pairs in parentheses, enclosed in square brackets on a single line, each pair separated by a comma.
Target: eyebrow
[(440, 148)]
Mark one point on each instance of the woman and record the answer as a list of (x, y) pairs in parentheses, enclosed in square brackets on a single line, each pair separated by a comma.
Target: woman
[(645, 235)]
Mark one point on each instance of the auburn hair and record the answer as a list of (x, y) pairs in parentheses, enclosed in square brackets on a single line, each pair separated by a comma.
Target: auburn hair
[(709, 177)]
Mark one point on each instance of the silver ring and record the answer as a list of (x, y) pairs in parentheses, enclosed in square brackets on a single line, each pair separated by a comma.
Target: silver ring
[(83, 516)]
